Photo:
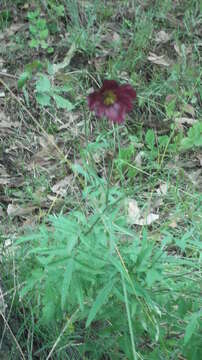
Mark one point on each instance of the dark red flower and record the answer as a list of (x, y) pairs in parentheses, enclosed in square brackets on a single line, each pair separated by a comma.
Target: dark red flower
[(112, 100)]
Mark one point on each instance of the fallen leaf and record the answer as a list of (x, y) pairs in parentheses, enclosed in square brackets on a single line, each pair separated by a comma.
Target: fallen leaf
[(170, 98), (67, 59), (173, 224), (115, 36), (199, 157), (60, 188), (182, 49), (135, 215), (1, 212), (162, 37), (163, 188), (138, 158), (159, 59), (47, 155), (189, 109), (3, 306), (16, 210), (11, 30), (195, 177), (1, 62), (185, 120), (6, 124)]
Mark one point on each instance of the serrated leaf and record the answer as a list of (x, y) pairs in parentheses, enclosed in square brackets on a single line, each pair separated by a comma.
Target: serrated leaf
[(63, 103), (99, 301), (34, 43), (43, 84), (43, 99), (66, 282), (43, 34)]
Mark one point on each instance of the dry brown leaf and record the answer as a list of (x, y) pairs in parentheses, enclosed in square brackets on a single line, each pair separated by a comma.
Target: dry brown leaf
[(115, 36), (135, 216), (2, 302), (60, 188), (1, 212), (195, 177), (162, 190), (173, 224), (46, 155), (162, 37), (16, 210), (189, 109), (69, 55), (6, 124), (138, 158), (182, 49), (199, 157), (159, 59), (1, 62), (11, 30), (185, 120), (170, 98)]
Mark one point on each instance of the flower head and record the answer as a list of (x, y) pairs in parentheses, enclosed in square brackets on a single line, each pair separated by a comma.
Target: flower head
[(113, 101)]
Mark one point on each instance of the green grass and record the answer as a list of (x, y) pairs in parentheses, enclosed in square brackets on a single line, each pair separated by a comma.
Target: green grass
[(79, 279)]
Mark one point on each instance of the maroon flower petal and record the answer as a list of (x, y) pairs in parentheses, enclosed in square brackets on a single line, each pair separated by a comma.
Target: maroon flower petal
[(112, 100), (126, 102), (115, 113), (99, 110), (109, 85), (93, 99), (127, 90)]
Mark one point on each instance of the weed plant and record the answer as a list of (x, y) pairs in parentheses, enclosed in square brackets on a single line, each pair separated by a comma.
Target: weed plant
[(85, 282)]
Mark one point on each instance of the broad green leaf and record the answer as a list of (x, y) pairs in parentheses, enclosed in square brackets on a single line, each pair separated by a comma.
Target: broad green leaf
[(99, 301), (34, 43), (43, 34), (150, 138), (35, 65), (43, 84), (63, 103), (43, 99), (66, 282)]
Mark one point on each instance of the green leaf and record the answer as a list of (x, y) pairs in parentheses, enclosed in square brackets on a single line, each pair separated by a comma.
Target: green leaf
[(99, 301), (150, 138), (43, 34), (34, 43), (43, 99), (23, 79), (191, 327), (63, 103), (66, 282), (152, 276), (194, 137), (35, 65), (43, 84)]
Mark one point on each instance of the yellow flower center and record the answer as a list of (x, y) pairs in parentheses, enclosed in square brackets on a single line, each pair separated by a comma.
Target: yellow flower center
[(109, 97)]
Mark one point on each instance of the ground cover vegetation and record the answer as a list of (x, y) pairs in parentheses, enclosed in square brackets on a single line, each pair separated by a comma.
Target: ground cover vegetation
[(100, 182)]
